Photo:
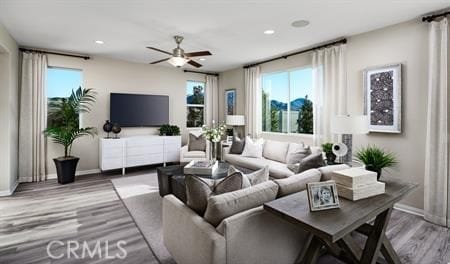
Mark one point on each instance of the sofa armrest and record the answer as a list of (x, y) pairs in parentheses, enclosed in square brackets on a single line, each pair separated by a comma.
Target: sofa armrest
[(183, 151), (189, 238), (258, 236)]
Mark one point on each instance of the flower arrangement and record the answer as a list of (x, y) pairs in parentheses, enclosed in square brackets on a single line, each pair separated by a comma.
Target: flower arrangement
[(213, 133)]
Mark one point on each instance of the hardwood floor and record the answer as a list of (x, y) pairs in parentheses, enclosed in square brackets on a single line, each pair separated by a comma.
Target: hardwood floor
[(87, 210), (90, 210)]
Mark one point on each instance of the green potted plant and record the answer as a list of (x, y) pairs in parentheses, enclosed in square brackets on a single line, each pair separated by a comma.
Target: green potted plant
[(169, 130), (64, 129), (328, 149), (376, 159)]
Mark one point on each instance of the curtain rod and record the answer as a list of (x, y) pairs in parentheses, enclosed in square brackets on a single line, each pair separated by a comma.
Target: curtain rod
[(337, 42), (202, 72), (433, 17), (55, 53)]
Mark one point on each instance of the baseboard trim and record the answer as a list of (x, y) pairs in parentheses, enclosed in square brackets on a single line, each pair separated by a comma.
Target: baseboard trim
[(78, 173), (11, 191), (409, 209)]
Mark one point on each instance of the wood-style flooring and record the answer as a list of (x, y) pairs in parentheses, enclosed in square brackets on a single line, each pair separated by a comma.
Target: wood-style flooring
[(90, 210)]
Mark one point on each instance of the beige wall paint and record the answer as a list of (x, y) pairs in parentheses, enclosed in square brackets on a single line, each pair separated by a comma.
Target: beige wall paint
[(109, 75), (405, 43), (232, 79), (9, 58)]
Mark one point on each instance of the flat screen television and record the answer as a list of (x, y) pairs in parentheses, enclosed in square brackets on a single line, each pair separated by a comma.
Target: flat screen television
[(139, 110)]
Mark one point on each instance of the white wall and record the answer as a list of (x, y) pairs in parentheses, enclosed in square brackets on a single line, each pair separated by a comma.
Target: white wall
[(8, 112), (405, 43), (233, 79), (109, 75)]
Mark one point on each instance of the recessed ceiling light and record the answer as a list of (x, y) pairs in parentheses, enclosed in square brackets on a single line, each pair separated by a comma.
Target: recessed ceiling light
[(269, 32), (202, 59), (300, 23), (99, 42)]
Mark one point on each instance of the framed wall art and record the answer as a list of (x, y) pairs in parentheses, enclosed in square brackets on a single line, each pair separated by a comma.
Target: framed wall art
[(383, 98), (230, 102)]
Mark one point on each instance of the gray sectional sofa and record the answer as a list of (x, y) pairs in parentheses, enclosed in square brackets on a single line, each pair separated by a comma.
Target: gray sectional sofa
[(250, 236)]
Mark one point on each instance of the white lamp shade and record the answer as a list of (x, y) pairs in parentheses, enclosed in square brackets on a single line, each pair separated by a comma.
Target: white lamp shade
[(235, 120), (346, 124), (177, 61)]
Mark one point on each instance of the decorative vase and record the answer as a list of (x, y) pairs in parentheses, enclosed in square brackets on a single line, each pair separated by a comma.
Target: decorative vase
[(331, 158), (116, 130), (107, 127), (213, 147)]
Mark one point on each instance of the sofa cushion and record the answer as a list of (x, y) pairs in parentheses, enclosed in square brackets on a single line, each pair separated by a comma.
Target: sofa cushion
[(195, 154), (297, 182), (237, 146), (252, 148), (275, 150), (196, 142), (278, 170), (298, 154), (227, 204), (198, 190), (327, 171), (254, 177)]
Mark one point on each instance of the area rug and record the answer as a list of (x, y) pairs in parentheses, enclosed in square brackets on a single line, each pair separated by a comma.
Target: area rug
[(141, 197)]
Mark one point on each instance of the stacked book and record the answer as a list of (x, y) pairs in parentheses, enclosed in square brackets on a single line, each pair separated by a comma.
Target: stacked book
[(357, 183)]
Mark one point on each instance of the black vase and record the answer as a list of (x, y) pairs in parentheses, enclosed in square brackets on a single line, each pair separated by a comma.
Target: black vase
[(116, 130), (65, 169), (331, 158), (107, 127), (378, 171)]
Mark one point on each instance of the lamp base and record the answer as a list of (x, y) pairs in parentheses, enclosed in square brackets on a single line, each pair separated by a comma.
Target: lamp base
[(347, 140)]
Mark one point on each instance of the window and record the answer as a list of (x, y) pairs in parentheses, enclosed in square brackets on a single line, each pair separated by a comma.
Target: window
[(60, 83), (195, 100), (286, 102)]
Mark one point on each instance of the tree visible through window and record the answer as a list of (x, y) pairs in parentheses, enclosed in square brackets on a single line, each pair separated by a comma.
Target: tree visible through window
[(286, 102), (195, 101), (60, 83)]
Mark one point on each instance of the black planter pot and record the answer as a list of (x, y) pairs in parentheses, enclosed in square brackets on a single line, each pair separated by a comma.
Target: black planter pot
[(65, 169), (331, 158), (370, 168)]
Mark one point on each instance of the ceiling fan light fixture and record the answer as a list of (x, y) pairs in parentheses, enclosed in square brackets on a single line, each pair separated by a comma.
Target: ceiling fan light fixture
[(177, 61)]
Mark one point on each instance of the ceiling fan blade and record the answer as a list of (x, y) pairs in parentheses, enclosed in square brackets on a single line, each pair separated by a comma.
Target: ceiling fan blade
[(158, 61), (198, 53), (163, 51), (194, 63)]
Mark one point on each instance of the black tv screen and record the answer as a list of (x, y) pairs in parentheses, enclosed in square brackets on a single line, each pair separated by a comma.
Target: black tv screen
[(139, 110)]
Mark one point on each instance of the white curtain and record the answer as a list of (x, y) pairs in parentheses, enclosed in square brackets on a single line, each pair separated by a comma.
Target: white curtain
[(212, 100), (33, 118), (252, 101), (436, 157), (329, 90)]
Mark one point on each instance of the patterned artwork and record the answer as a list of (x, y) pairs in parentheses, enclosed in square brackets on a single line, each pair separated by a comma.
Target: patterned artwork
[(230, 102), (383, 98)]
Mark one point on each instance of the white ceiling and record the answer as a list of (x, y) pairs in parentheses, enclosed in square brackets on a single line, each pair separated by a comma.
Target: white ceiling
[(231, 29)]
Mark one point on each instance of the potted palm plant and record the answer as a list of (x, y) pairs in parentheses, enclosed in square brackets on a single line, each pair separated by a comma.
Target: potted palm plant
[(376, 159), (64, 129)]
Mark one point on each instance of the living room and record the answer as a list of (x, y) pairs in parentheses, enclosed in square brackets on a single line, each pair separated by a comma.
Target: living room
[(271, 76)]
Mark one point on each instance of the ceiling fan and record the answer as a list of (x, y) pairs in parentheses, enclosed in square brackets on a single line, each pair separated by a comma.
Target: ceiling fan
[(179, 57)]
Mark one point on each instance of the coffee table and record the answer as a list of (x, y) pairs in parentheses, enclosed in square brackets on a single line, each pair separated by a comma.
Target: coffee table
[(171, 179), (331, 228)]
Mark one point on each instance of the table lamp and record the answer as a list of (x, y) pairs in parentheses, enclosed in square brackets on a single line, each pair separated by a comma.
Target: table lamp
[(235, 121), (347, 125)]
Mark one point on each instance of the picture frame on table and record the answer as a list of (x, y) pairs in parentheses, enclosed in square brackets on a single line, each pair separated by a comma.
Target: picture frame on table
[(383, 98), (322, 195), (230, 102)]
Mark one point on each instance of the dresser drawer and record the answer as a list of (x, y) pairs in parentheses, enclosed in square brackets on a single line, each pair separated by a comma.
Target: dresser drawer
[(147, 159), (143, 150), (172, 156), (111, 163)]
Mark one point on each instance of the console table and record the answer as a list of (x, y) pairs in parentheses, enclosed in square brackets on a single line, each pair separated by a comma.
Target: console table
[(135, 151), (331, 228)]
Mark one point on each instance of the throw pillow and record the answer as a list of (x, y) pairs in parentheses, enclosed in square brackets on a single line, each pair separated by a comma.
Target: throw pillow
[(312, 161), (297, 156), (237, 146), (253, 149), (197, 143), (198, 190), (252, 178), (228, 204), (297, 182)]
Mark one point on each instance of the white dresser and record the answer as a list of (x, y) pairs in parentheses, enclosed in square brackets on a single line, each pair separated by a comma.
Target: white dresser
[(138, 151)]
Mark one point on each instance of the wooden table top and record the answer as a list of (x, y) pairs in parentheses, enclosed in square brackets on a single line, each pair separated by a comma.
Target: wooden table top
[(333, 224)]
